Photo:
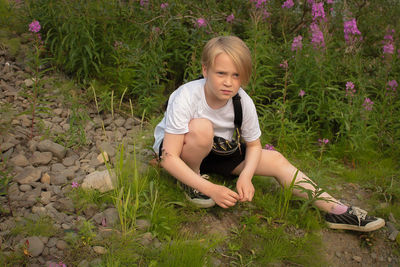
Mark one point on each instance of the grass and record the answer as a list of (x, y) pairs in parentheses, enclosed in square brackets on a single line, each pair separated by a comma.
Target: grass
[(41, 226)]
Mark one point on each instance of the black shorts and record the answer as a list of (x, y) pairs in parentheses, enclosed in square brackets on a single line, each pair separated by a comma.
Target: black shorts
[(222, 165)]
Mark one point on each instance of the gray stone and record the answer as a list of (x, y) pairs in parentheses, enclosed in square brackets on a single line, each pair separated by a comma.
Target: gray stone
[(58, 179), (57, 167), (41, 158), (19, 160), (48, 146), (357, 258), (142, 224), (129, 123), (25, 187), (52, 242), (28, 175), (69, 161), (13, 191), (83, 263), (61, 244), (119, 122), (6, 146), (146, 239), (45, 197), (101, 181), (28, 82), (107, 148), (393, 235), (35, 246), (100, 250), (90, 210), (109, 216), (64, 204)]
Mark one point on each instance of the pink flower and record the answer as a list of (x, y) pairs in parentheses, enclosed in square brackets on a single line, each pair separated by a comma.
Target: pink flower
[(350, 29), (230, 18), (144, 2), (302, 93), (201, 22), (388, 49), (269, 147), (392, 85), (34, 26), (164, 5), (368, 104), (318, 10), (317, 36), (74, 185), (288, 4), (329, 1), (284, 65), (323, 141), (350, 91), (297, 44)]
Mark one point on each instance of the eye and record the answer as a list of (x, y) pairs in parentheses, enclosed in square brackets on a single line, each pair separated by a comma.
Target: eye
[(236, 75)]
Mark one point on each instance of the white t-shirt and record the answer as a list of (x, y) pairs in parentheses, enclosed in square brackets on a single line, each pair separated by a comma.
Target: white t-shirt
[(189, 102)]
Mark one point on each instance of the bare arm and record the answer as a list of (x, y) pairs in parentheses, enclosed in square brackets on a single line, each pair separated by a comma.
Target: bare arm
[(172, 163), (244, 185)]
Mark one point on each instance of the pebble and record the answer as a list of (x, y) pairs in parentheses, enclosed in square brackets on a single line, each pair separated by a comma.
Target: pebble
[(61, 244), (357, 258), (100, 250)]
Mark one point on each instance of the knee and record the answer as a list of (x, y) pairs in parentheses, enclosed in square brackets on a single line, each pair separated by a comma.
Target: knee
[(280, 162), (201, 133)]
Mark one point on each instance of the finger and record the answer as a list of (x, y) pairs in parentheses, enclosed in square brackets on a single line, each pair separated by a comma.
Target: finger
[(240, 191), (234, 194)]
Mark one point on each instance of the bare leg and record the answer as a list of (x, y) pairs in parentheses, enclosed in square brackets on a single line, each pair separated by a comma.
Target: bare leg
[(197, 143), (273, 163)]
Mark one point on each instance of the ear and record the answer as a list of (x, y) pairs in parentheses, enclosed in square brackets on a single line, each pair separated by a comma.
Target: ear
[(204, 69)]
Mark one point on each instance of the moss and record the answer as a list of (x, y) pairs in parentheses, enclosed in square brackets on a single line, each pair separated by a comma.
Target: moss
[(14, 46)]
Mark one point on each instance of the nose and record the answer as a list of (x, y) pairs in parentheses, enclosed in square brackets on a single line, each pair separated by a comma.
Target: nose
[(228, 81)]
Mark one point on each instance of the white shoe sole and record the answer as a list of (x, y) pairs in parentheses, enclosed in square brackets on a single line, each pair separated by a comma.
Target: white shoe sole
[(372, 226), (201, 203)]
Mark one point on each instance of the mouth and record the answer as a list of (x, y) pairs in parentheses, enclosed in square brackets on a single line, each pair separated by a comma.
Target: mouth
[(226, 92)]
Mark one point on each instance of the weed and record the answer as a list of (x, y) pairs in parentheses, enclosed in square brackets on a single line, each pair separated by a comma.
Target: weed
[(42, 226)]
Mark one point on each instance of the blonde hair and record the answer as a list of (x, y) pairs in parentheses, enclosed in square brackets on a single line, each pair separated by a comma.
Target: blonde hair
[(233, 47)]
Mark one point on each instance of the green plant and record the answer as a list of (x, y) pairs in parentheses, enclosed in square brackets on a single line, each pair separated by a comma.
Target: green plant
[(42, 226)]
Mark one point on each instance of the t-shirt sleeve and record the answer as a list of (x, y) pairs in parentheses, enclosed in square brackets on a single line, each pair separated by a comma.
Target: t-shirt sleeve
[(178, 113), (250, 126)]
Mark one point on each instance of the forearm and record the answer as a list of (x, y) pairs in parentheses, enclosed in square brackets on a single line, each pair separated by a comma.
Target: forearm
[(175, 166)]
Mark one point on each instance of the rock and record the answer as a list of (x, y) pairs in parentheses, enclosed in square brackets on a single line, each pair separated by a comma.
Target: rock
[(52, 242), (25, 187), (119, 122), (83, 263), (129, 123), (90, 210), (142, 224), (48, 146), (29, 82), (35, 246), (69, 161), (102, 157), (19, 160), (6, 146), (45, 178), (61, 244), (57, 167), (100, 250), (109, 217), (146, 239), (45, 197), (58, 179), (357, 258), (28, 175), (41, 158), (64, 204), (393, 235), (107, 148), (100, 180)]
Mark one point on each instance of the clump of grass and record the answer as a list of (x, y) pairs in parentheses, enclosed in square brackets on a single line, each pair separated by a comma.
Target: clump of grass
[(43, 226)]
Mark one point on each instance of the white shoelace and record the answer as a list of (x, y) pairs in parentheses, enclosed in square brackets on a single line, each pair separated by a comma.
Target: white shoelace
[(359, 213)]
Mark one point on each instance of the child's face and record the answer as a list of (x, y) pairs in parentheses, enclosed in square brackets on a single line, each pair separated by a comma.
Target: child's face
[(223, 81)]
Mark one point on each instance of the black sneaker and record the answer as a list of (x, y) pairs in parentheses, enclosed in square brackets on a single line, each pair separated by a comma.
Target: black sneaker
[(354, 219), (196, 197)]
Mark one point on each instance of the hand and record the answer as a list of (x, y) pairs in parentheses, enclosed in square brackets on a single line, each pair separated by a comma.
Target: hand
[(245, 189), (223, 196)]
